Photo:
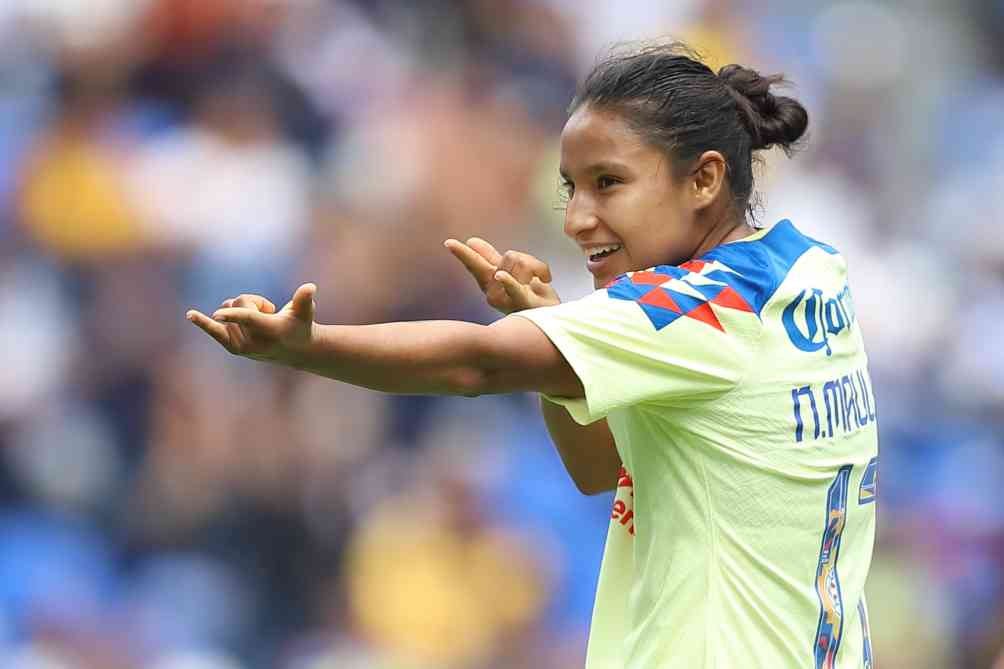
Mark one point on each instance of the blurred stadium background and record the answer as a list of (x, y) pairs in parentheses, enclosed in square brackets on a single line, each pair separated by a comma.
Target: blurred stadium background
[(163, 504)]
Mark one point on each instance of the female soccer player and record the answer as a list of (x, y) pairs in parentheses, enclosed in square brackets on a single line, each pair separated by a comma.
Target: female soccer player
[(716, 377)]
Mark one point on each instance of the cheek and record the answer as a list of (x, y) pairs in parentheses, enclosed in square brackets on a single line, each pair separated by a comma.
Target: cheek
[(662, 234), (639, 209)]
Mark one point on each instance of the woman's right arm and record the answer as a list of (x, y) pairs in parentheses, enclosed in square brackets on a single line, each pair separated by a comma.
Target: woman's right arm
[(587, 451)]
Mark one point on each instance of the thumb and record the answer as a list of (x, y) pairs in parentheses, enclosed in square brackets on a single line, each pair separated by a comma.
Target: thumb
[(538, 287), (513, 288), (302, 304), (544, 292)]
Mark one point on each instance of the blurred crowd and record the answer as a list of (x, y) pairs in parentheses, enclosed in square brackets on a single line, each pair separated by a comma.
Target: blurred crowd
[(165, 505)]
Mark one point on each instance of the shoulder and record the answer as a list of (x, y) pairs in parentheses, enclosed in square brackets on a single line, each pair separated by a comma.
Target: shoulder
[(741, 276), (698, 289), (758, 265)]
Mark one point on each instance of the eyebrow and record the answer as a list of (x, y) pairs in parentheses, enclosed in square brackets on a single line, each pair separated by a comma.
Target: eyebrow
[(601, 166)]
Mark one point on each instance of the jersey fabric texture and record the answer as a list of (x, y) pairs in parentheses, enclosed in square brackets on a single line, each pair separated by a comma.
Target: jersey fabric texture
[(737, 391)]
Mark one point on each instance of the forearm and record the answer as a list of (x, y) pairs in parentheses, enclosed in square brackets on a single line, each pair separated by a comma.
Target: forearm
[(424, 357), (587, 451)]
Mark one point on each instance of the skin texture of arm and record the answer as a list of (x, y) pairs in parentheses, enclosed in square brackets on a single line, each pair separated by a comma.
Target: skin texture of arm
[(587, 451), (426, 357)]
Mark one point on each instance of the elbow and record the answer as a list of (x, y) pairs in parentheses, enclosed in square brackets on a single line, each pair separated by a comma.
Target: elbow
[(593, 487), (471, 375), (467, 382)]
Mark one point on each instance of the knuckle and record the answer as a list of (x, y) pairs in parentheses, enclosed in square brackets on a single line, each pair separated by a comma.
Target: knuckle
[(538, 266), (513, 260)]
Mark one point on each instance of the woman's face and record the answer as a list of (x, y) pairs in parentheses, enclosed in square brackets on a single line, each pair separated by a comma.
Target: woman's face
[(625, 210)]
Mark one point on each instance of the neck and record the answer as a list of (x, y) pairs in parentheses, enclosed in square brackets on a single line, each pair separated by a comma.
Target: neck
[(727, 229)]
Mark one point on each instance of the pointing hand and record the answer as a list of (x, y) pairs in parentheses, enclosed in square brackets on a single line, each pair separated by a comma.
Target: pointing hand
[(512, 281), (250, 326)]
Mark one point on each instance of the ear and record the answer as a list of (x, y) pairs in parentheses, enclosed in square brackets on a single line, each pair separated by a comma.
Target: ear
[(708, 178)]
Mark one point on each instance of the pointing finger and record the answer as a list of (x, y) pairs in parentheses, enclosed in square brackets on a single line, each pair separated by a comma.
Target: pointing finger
[(214, 329), (485, 250), (475, 263), (242, 316)]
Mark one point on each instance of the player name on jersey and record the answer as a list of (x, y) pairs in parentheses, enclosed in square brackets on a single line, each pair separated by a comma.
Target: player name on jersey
[(847, 400)]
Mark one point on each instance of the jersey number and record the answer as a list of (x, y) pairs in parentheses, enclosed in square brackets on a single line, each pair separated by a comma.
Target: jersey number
[(831, 603)]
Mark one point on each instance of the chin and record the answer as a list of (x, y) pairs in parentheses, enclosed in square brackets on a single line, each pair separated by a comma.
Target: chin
[(602, 281)]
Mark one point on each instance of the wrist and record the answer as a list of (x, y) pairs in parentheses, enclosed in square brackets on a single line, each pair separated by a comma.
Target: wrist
[(302, 351)]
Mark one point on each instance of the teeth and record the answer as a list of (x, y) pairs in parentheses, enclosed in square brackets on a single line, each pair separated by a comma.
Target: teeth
[(593, 252)]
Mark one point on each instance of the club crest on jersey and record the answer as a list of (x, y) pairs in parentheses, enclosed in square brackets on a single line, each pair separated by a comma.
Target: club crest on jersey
[(812, 318)]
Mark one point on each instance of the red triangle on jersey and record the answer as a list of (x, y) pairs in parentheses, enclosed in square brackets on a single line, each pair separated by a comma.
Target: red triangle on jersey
[(649, 278), (657, 297), (731, 299), (693, 265), (704, 313)]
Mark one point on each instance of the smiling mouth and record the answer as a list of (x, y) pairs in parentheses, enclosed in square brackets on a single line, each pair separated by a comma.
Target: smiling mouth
[(604, 252)]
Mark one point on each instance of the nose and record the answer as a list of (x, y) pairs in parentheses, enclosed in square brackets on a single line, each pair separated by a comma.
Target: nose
[(580, 216)]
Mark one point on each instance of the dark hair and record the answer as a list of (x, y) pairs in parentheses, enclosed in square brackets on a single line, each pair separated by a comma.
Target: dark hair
[(678, 103)]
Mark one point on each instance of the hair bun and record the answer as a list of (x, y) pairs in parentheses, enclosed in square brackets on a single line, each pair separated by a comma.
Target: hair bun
[(772, 120)]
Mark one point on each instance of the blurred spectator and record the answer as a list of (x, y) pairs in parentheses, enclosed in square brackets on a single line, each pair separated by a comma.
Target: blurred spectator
[(75, 203), (227, 187), (432, 583)]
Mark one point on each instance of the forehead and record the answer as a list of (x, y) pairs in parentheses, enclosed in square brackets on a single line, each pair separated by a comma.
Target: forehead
[(592, 135)]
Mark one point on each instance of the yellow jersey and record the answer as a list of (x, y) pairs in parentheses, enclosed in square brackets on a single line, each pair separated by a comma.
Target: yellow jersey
[(736, 387)]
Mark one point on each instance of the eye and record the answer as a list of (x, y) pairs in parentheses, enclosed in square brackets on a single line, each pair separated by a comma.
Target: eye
[(606, 181), (565, 191), (567, 187)]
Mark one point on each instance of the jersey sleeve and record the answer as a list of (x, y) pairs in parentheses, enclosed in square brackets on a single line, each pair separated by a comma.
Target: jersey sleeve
[(669, 336)]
